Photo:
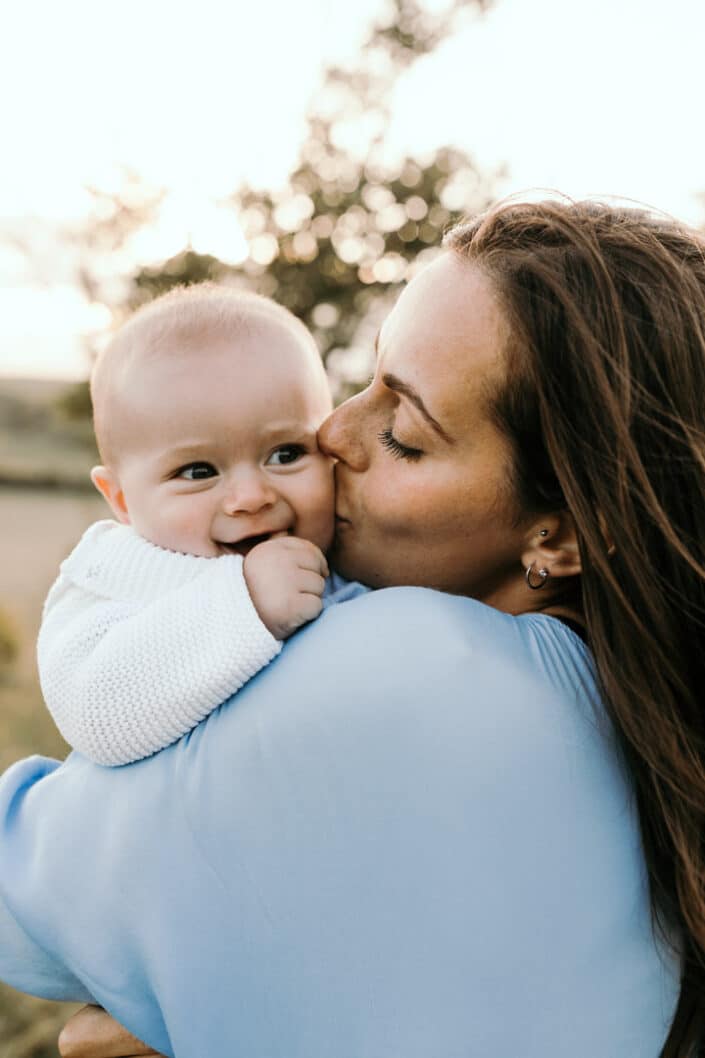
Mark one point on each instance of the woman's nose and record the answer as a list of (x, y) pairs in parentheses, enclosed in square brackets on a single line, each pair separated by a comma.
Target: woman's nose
[(341, 435), (248, 492)]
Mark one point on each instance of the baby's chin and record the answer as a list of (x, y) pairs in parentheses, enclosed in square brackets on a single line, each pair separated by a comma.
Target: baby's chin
[(243, 546), (204, 549)]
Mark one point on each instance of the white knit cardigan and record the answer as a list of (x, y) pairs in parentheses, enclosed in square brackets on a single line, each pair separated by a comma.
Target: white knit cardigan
[(139, 644)]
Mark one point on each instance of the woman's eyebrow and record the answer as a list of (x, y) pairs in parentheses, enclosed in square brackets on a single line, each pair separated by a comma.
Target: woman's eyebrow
[(396, 384)]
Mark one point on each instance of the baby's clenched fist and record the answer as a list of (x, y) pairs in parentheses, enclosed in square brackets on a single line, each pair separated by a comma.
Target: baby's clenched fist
[(285, 577)]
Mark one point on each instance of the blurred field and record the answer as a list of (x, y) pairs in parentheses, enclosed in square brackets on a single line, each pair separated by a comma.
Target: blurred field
[(46, 502), (40, 442), (39, 528)]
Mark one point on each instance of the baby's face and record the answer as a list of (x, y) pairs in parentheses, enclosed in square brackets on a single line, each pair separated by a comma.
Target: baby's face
[(220, 445)]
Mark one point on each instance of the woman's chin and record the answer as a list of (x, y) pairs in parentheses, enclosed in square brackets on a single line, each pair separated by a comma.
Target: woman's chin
[(338, 555), (355, 564), (346, 559)]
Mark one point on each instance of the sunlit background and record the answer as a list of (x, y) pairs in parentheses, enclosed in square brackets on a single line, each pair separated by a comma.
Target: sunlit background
[(314, 151), (598, 98)]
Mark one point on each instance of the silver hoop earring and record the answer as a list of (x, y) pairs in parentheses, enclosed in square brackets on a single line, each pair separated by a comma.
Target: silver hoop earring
[(543, 574)]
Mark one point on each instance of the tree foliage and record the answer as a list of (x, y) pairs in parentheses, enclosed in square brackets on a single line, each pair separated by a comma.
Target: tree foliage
[(350, 225)]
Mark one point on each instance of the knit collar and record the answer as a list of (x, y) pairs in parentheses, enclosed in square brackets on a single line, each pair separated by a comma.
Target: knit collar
[(113, 560)]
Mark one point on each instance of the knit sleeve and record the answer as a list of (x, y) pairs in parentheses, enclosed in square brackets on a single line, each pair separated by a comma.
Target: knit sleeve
[(125, 678)]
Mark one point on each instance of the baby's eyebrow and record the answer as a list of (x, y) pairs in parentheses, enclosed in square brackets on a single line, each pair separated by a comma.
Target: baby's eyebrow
[(293, 430), (186, 448)]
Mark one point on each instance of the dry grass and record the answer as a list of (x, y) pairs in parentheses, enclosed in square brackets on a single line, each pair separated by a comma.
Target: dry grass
[(39, 528), (29, 1027)]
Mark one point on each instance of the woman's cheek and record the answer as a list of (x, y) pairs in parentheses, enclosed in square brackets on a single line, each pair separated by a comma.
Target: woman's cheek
[(407, 501)]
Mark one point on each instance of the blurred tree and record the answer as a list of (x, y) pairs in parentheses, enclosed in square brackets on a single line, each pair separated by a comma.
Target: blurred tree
[(75, 402), (9, 640), (348, 227)]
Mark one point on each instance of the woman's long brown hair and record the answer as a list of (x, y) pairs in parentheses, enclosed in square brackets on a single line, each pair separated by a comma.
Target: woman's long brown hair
[(605, 404)]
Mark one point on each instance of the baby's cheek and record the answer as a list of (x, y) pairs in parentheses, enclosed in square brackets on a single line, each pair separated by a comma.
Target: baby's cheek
[(317, 503), (188, 529), (321, 483), (325, 524)]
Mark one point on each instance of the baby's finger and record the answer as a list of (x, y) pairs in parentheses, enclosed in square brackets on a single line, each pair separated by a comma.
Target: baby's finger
[(309, 582), (324, 567), (304, 552), (311, 557), (309, 607)]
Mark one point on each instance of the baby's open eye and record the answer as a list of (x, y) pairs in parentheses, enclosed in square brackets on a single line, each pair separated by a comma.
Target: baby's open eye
[(196, 471), (285, 454)]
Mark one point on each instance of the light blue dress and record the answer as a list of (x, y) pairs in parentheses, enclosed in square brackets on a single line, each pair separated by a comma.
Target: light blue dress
[(409, 837)]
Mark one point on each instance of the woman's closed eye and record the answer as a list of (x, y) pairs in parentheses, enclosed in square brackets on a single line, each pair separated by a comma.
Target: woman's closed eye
[(199, 471), (398, 450), (284, 455)]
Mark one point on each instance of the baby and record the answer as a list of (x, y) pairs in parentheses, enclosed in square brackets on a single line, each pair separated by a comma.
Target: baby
[(206, 406)]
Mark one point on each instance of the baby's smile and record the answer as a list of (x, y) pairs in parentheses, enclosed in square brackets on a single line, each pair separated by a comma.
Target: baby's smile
[(245, 544)]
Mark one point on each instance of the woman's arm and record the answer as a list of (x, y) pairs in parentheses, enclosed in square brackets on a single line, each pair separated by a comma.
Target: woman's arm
[(92, 1033)]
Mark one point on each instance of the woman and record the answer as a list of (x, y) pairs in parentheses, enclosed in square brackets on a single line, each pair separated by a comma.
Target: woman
[(429, 845)]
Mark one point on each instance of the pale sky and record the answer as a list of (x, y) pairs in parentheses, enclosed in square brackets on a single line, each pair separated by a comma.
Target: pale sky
[(601, 98)]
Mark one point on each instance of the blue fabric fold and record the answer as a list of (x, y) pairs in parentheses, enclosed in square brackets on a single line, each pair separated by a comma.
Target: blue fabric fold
[(410, 835)]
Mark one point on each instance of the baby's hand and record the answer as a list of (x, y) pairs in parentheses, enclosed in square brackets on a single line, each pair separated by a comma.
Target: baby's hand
[(285, 577)]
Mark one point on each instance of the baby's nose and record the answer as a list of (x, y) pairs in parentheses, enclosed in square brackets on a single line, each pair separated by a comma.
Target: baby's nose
[(248, 492)]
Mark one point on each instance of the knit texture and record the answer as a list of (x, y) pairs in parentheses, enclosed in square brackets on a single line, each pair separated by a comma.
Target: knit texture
[(138, 644)]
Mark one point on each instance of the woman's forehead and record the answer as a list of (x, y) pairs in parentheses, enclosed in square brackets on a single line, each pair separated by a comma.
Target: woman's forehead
[(446, 334)]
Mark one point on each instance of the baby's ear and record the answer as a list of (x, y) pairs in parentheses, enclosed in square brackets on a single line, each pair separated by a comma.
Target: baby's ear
[(108, 486)]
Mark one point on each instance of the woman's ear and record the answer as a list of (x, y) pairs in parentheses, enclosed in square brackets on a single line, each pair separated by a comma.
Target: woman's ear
[(552, 545), (108, 485)]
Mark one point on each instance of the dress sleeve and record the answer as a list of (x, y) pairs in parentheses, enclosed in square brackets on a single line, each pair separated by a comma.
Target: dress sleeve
[(33, 970), (125, 677), (25, 964)]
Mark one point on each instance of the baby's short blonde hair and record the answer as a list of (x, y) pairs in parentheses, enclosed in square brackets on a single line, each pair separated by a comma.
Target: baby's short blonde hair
[(182, 316)]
